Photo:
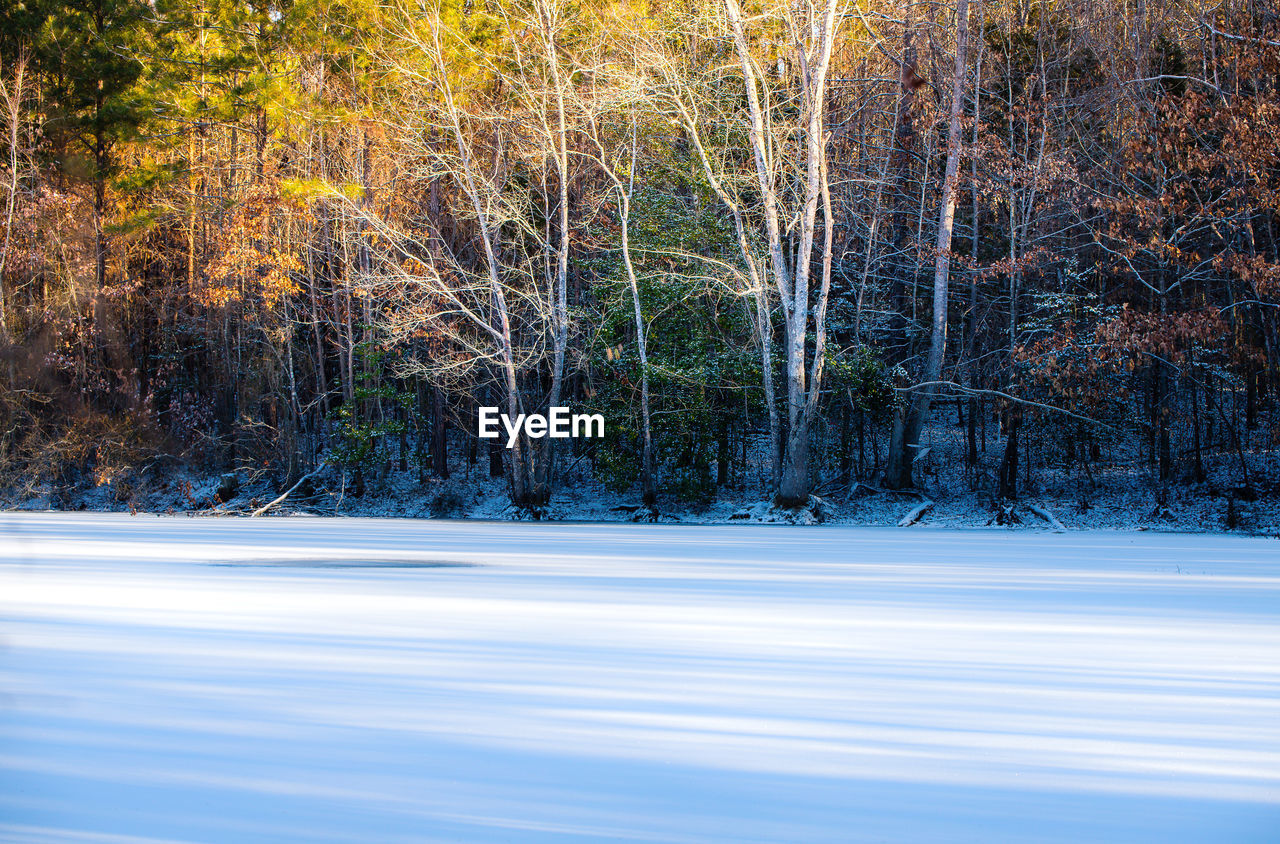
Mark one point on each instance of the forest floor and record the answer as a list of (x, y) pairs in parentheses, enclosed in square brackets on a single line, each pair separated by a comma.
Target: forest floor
[(1119, 494), (182, 679)]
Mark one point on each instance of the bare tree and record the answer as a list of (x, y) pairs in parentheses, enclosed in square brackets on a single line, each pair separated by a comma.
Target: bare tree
[(813, 31), (546, 94), (898, 472), (484, 330), (12, 93), (683, 98), (619, 167)]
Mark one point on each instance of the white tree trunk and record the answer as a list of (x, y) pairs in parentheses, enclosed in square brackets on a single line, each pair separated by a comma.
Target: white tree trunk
[(922, 399), (759, 291), (519, 475), (814, 48), (12, 93), (548, 14)]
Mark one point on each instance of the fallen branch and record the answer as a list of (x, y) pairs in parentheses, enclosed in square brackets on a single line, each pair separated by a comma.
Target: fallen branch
[(1233, 37), (974, 391), (914, 516), (860, 489), (1043, 512), (264, 508)]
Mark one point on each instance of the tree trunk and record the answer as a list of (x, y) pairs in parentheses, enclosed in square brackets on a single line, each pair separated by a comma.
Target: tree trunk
[(1195, 431), (763, 323), (13, 95), (439, 435), (560, 307), (1009, 464), (520, 482), (899, 474), (648, 481), (802, 385)]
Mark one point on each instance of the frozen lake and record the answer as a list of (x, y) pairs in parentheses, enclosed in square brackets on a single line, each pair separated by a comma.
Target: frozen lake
[(309, 680)]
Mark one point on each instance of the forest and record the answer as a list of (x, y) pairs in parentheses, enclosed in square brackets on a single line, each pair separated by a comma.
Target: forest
[(788, 250)]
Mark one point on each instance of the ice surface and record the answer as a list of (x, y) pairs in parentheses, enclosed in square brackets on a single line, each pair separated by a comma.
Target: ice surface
[(182, 679)]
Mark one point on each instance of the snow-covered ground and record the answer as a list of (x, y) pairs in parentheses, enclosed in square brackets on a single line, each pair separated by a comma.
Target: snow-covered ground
[(314, 680)]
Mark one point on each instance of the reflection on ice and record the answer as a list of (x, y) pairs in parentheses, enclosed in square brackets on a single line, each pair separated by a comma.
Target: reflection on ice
[(612, 682), (292, 562)]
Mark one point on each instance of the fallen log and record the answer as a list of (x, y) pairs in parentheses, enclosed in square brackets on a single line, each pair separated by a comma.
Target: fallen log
[(1043, 512), (915, 514), (264, 508)]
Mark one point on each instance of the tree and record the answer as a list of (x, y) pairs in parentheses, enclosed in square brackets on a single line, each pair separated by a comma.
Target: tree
[(906, 431), (813, 30), (89, 53)]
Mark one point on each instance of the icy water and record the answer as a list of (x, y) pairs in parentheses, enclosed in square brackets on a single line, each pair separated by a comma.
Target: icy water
[(309, 680)]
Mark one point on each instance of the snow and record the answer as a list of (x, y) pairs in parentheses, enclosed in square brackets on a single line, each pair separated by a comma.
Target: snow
[(350, 680)]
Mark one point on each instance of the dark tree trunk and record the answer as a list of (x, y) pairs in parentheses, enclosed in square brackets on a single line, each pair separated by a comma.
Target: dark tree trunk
[(1009, 464), (722, 453), (495, 458), (972, 433), (1195, 432), (439, 435), (846, 449)]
